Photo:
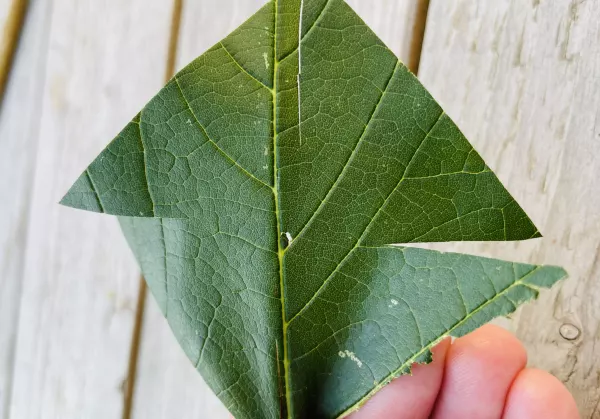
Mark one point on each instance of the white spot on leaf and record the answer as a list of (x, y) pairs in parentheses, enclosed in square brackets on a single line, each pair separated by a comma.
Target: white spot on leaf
[(347, 354), (394, 303), (288, 236), (266, 57)]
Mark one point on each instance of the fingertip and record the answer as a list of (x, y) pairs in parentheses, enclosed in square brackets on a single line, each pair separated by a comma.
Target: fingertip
[(494, 344), (442, 347), (538, 394), (480, 368), (440, 351), (409, 396)]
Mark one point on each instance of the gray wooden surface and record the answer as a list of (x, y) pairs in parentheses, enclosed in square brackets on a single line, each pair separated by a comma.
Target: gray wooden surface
[(519, 76), (522, 79), (71, 282), (19, 126)]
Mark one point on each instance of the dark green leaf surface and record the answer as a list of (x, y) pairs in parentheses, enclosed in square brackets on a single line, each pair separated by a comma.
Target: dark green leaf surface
[(261, 191)]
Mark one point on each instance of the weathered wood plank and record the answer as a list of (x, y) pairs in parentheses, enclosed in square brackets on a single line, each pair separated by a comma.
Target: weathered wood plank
[(19, 125), (80, 282), (167, 385), (521, 79)]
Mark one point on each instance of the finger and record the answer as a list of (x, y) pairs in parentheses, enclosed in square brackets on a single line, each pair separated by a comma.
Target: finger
[(409, 397), (537, 394), (480, 368)]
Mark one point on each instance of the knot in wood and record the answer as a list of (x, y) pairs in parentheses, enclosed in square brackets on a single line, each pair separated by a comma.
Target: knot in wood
[(569, 331)]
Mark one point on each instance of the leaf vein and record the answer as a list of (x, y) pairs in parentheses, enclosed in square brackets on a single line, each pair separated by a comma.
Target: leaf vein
[(219, 149), (448, 332), (365, 231), (139, 124), (349, 161), (321, 14), (239, 65), (162, 233), (87, 173)]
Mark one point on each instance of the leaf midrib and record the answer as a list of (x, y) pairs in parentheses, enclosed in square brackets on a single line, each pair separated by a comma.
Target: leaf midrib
[(286, 363), (281, 250)]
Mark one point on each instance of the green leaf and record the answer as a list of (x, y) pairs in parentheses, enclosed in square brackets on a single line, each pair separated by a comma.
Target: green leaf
[(262, 189)]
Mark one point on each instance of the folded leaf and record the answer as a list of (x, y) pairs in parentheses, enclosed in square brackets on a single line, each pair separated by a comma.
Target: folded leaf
[(261, 191)]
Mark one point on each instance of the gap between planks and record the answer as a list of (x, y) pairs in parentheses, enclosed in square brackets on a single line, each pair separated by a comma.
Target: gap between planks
[(418, 35), (9, 39)]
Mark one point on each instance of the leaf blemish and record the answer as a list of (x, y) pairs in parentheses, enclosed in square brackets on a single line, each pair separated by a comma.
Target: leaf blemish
[(348, 354), (266, 57), (394, 303)]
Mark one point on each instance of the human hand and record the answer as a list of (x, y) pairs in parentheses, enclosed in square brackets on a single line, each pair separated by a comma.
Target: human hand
[(481, 375)]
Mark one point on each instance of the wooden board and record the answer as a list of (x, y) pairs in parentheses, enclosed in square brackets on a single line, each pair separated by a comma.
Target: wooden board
[(79, 286), (19, 126), (167, 384), (521, 79), (4, 11)]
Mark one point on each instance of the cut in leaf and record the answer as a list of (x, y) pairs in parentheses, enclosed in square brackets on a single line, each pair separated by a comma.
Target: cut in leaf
[(262, 189)]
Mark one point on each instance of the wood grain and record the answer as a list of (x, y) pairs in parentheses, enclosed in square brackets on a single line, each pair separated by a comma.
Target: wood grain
[(19, 124), (104, 62), (521, 79)]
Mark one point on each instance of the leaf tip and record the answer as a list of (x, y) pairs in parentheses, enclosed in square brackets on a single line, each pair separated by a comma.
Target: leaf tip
[(547, 276), (83, 195)]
